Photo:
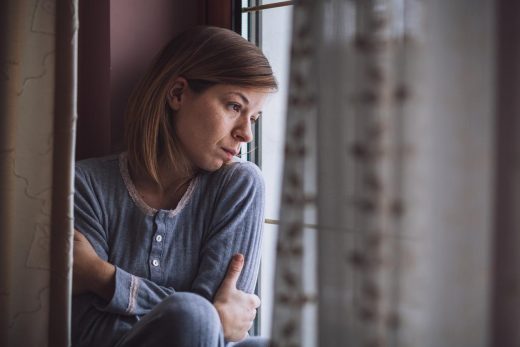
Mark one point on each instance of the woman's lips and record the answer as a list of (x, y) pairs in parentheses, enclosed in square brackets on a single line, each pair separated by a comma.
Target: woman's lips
[(230, 153)]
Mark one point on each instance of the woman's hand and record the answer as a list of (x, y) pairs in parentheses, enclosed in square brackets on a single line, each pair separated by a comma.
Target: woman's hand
[(90, 272), (236, 309)]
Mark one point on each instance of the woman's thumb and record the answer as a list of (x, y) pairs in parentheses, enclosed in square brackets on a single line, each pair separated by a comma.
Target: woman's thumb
[(235, 268)]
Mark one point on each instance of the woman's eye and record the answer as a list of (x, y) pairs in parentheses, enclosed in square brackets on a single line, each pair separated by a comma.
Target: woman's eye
[(235, 107)]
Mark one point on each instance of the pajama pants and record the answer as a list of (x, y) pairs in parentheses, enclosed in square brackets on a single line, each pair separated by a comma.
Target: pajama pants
[(182, 320)]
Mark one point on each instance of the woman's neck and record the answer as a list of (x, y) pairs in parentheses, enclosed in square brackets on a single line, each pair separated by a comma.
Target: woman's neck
[(168, 194)]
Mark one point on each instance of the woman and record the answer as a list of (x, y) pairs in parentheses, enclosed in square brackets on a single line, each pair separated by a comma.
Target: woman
[(158, 225)]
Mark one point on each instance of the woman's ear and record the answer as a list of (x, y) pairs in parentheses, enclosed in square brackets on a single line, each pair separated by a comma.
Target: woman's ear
[(176, 93)]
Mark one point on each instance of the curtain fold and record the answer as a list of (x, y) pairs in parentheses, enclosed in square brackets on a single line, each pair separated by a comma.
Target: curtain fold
[(390, 198), (38, 100)]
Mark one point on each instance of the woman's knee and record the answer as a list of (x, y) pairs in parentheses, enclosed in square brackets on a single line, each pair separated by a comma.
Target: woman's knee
[(182, 320), (188, 311)]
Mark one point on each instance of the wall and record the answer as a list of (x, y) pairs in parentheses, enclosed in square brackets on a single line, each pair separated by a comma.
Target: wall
[(138, 30), (117, 41)]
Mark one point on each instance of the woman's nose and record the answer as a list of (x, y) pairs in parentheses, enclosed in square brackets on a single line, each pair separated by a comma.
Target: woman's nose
[(243, 131)]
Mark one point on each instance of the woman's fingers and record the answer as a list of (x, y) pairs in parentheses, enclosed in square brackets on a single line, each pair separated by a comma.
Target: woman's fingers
[(254, 300), (252, 315), (234, 269), (236, 309)]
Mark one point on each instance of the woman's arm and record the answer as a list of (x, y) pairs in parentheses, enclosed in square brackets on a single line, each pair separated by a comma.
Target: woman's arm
[(118, 291), (236, 309), (90, 272), (235, 228)]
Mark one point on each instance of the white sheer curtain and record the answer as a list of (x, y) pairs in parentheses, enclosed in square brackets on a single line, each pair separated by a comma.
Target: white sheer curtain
[(389, 203), (37, 115)]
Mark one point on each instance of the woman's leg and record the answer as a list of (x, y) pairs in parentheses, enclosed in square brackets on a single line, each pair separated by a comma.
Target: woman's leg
[(181, 320)]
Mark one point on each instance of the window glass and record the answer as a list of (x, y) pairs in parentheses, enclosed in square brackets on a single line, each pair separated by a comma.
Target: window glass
[(275, 27)]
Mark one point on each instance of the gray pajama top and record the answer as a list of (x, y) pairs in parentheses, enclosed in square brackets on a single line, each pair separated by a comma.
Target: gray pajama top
[(159, 252)]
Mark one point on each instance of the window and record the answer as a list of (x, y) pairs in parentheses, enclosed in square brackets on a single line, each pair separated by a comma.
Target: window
[(268, 24)]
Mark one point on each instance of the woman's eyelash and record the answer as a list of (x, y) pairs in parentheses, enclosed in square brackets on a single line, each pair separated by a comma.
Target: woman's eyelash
[(238, 108)]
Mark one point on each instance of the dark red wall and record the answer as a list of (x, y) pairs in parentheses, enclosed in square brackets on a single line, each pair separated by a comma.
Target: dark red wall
[(117, 41), (93, 126), (138, 30)]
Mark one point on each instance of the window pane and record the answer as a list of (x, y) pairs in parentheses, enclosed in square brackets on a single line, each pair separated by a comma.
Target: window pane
[(245, 22), (275, 38)]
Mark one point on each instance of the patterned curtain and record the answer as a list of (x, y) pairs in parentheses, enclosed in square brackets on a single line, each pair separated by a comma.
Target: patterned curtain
[(37, 117), (389, 233)]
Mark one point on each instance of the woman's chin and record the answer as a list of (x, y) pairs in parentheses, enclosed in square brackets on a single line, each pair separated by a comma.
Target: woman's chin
[(214, 166)]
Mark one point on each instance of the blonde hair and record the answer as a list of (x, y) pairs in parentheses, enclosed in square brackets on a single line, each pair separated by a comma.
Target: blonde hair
[(204, 56)]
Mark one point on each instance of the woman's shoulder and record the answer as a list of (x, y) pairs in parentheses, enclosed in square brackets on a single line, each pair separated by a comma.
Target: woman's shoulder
[(93, 163), (98, 168), (242, 172), (233, 179)]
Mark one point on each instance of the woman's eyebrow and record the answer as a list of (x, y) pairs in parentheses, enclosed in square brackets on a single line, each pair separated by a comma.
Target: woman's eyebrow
[(242, 96)]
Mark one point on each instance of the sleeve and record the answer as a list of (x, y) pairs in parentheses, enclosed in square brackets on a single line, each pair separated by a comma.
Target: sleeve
[(88, 212), (235, 227), (133, 295)]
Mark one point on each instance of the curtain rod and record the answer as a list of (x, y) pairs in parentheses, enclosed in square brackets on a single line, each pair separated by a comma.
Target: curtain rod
[(264, 7)]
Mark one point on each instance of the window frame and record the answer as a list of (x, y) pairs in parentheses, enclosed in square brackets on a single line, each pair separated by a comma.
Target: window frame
[(252, 15)]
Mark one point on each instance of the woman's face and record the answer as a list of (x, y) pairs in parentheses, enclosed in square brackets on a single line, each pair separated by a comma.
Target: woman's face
[(211, 125)]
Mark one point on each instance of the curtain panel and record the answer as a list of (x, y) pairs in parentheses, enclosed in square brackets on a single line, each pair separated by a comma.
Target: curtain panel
[(395, 229), (37, 117)]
